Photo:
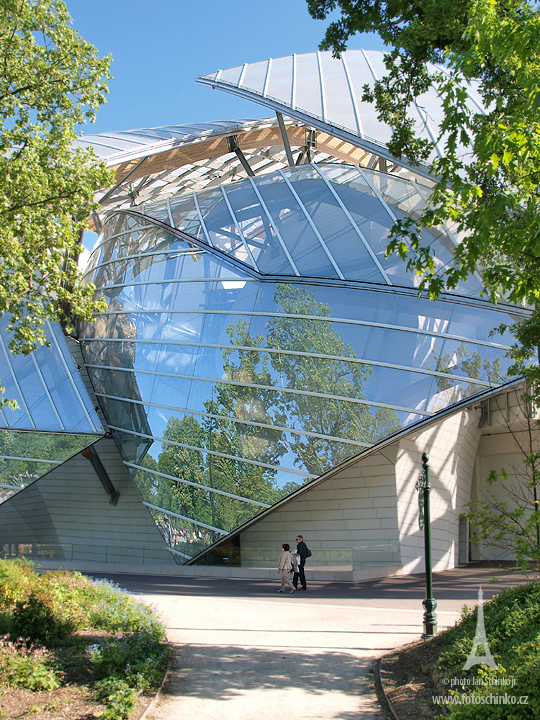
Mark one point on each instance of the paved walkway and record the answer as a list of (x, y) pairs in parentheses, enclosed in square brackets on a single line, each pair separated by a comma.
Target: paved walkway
[(245, 652)]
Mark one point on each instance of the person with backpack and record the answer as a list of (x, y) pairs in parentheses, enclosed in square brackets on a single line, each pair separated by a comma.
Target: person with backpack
[(303, 553)]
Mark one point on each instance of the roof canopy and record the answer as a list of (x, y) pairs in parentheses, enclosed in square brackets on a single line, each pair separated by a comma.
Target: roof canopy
[(327, 93)]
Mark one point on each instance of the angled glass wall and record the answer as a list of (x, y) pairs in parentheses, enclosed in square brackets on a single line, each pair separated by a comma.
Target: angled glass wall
[(46, 386), (320, 220), (54, 418), (25, 456), (232, 369)]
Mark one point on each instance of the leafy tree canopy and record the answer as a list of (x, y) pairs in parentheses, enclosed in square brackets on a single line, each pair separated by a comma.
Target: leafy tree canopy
[(52, 81), (489, 174)]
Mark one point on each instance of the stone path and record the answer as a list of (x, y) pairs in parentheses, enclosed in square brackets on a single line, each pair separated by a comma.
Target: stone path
[(245, 652), (264, 659)]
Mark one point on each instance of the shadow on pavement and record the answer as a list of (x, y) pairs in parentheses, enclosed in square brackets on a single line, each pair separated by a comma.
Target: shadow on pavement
[(222, 672), (458, 584)]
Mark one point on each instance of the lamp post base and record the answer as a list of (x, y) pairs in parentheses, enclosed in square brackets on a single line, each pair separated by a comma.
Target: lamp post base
[(430, 618)]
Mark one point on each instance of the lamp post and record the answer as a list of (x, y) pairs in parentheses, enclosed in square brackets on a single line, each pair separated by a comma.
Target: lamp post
[(424, 522)]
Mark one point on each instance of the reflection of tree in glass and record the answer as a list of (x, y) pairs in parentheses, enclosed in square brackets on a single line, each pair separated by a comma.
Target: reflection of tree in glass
[(459, 362), (180, 462), (248, 400), (37, 445), (147, 484), (246, 414), (186, 464), (206, 470), (324, 375), (244, 399), (176, 496)]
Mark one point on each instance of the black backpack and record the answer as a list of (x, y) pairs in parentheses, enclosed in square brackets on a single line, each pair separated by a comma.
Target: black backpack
[(309, 553)]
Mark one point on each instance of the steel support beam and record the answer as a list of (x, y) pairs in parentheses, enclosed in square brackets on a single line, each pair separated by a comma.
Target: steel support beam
[(232, 141), (285, 138), (91, 455)]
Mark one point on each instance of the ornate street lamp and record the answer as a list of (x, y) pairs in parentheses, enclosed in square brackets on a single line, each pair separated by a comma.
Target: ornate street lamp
[(424, 522)]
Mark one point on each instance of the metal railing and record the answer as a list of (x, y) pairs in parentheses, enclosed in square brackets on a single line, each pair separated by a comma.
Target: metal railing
[(38, 552)]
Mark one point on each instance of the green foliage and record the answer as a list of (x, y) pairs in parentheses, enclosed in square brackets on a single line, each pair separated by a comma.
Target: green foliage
[(119, 697), (115, 610), (139, 658), (37, 618), (489, 171), (59, 602), (424, 28), (524, 354), (44, 608), (17, 580), (512, 622), (29, 666), (52, 82), (71, 594), (49, 607)]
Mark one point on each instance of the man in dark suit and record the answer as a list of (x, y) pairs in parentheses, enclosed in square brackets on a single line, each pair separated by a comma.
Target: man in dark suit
[(301, 551)]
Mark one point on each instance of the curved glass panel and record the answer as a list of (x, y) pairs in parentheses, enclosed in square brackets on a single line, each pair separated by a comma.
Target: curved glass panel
[(226, 392), (324, 220), (116, 147)]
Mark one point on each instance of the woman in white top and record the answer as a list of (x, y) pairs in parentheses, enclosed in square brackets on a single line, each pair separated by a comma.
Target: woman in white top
[(285, 568)]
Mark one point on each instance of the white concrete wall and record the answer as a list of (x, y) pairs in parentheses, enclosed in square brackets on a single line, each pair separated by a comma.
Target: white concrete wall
[(451, 445), (349, 522), (500, 451), (508, 437)]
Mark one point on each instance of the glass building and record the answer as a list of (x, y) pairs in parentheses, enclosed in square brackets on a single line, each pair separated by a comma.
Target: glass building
[(54, 419), (255, 334)]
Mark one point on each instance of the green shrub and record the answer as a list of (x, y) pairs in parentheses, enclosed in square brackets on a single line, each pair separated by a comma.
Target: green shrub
[(512, 622), (36, 618), (139, 658), (17, 580), (115, 610), (47, 609), (28, 666), (118, 696), (6, 624), (70, 591), (511, 619)]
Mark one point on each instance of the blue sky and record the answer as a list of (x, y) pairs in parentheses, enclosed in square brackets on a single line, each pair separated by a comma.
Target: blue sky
[(160, 47)]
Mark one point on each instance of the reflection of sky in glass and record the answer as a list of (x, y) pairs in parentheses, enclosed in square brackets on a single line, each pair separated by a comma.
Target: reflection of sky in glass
[(46, 386), (261, 384), (315, 221)]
